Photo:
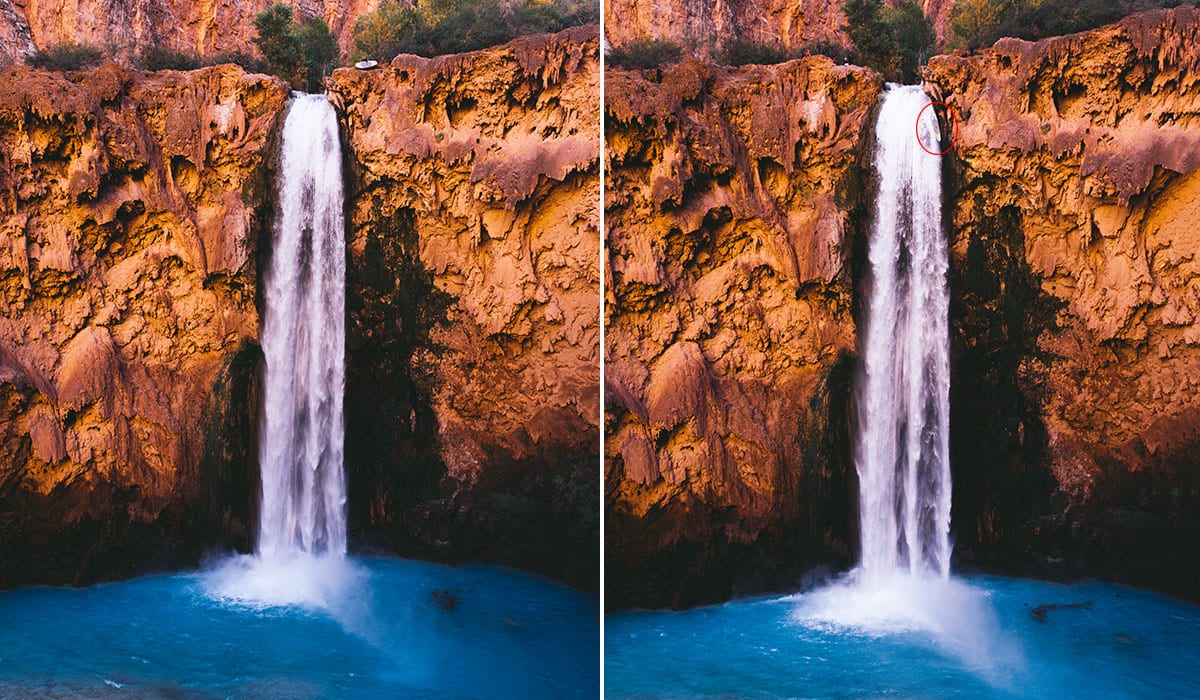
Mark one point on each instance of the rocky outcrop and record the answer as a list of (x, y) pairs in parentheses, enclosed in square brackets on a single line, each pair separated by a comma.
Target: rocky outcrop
[(733, 205), (472, 392), (709, 27), (207, 27), (130, 207), (1074, 190)]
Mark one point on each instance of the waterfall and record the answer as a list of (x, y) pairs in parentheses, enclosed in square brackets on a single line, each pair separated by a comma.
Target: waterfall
[(902, 454), (303, 340)]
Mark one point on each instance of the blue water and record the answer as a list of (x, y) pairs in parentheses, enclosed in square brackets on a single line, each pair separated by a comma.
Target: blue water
[(976, 639), (511, 635)]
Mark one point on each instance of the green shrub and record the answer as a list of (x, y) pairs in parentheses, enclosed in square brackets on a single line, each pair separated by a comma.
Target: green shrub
[(440, 27), (978, 23), (161, 58), (64, 57), (893, 40), (741, 53), (645, 53), (250, 64), (300, 54)]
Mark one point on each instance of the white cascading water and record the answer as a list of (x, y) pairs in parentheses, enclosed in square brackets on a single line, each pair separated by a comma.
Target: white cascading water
[(303, 340), (902, 454), (300, 557), (903, 449)]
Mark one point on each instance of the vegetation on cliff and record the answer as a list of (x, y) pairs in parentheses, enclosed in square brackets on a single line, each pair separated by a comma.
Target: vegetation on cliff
[(454, 26), (978, 23), (69, 56), (301, 54), (895, 41)]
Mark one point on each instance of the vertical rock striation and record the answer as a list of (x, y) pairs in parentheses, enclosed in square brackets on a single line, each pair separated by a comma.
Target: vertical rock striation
[(709, 27), (473, 304), (733, 205), (1076, 258), (206, 27), (129, 210)]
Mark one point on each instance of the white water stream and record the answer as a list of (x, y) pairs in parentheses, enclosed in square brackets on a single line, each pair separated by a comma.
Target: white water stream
[(903, 450)]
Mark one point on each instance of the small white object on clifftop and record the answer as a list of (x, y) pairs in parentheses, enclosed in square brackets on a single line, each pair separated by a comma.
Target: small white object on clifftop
[(366, 65)]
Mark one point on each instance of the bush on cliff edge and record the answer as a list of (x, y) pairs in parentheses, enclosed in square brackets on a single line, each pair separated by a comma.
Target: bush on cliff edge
[(978, 23), (157, 58), (301, 54), (895, 41), (645, 54), (440, 27), (65, 57)]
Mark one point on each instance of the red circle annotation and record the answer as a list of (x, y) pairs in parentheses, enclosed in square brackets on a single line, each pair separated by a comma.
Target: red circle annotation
[(953, 136)]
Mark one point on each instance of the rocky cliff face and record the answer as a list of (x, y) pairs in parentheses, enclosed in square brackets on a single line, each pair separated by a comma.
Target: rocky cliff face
[(733, 205), (206, 27), (736, 207), (473, 322), (130, 207), (706, 27), (135, 210), (1074, 194)]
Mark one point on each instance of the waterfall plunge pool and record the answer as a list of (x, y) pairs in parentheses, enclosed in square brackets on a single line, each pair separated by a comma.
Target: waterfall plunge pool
[(971, 637), (374, 629)]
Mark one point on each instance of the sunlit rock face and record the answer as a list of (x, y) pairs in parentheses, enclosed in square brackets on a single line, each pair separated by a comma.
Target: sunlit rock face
[(136, 213), (206, 27), (708, 27), (130, 207), (1073, 197), (734, 207), (472, 400), (735, 257)]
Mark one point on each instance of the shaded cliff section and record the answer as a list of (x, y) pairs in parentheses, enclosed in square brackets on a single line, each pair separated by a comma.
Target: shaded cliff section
[(733, 208), (473, 290), (1073, 195), (129, 209), (206, 27)]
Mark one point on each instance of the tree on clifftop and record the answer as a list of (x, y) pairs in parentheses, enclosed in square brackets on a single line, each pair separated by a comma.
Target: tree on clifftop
[(301, 54), (893, 40)]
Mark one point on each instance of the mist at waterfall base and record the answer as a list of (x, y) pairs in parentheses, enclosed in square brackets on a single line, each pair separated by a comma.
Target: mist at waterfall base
[(1127, 644), (512, 635), (899, 624), (299, 618)]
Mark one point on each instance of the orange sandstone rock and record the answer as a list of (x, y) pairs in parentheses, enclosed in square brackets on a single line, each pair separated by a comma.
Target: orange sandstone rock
[(1074, 195), (129, 211), (473, 386), (732, 208)]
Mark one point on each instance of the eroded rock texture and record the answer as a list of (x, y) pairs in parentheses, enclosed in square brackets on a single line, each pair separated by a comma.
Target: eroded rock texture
[(206, 27), (708, 27), (733, 204), (129, 210), (1075, 193), (473, 304)]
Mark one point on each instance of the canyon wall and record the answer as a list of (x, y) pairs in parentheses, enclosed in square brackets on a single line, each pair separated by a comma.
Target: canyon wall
[(1073, 195), (207, 27), (733, 206), (473, 304), (130, 207), (135, 212), (737, 206), (707, 27)]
